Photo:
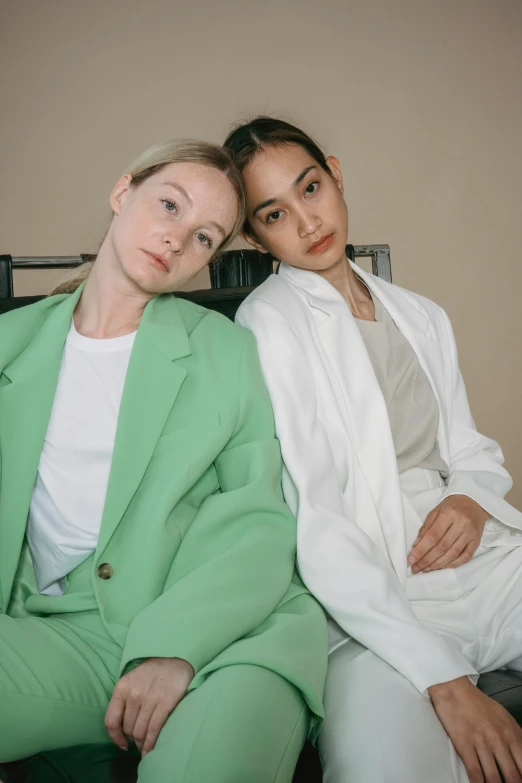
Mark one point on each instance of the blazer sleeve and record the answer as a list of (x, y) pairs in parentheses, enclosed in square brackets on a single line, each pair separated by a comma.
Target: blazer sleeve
[(476, 462), (237, 559), (337, 560)]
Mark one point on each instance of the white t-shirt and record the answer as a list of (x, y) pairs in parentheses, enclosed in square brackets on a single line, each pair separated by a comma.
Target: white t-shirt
[(73, 473)]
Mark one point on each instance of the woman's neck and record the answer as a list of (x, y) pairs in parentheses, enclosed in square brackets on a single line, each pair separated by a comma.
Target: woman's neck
[(351, 288), (110, 304)]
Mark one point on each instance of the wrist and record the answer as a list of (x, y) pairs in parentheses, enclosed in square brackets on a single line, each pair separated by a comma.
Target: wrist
[(178, 663), (450, 691), (187, 666), (477, 508)]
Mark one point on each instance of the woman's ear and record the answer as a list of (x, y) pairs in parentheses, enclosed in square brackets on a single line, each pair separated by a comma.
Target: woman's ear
[(335, 171), (253, 240), (119, 193)]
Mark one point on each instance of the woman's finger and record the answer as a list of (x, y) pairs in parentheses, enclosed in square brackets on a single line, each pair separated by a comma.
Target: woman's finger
[(141, 724), (516, 752), (455, 550), (113, 721), (465, 556), (489, 765), (156, 723), (507, 766), (472, 764), (428, 522), (430, 539), (451, 533), (132, 707)]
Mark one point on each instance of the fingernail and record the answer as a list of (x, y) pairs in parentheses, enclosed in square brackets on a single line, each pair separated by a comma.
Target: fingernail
[(411, 559), (123, 747), (426, 570), (415, 569)]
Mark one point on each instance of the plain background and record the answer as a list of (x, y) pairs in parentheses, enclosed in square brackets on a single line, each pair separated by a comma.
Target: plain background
[(420, 99)]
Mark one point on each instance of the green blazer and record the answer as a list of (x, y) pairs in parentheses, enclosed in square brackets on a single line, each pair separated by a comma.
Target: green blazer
[(199, 540)]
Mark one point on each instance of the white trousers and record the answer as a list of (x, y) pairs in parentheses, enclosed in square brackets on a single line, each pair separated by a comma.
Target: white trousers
[(378, 727)]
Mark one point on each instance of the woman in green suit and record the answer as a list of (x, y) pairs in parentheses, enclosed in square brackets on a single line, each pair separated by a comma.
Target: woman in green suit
[(147, 587)]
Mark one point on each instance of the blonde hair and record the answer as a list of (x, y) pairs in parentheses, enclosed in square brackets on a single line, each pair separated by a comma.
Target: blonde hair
[(156, 158)]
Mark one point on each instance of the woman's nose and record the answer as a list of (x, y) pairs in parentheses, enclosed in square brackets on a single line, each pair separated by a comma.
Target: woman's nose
[(174, 240), (308, 223)]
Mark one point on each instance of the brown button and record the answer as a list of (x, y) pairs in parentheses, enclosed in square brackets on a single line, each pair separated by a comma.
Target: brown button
[(105, 571)]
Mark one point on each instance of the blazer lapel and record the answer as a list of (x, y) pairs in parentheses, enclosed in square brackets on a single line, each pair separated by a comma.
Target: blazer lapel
[(26, 401), (363, 410), (152, 384)]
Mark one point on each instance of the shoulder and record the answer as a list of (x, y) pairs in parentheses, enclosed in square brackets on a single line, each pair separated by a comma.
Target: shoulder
[(208, 325), (222, 346), (31, 312), (273, 291), (273, 303), (226, 353), (411, 297), (27, 319), (19, 327), (404, 298)]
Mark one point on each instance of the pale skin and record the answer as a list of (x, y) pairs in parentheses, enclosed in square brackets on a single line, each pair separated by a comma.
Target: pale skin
[(292, 205), (163, 232)]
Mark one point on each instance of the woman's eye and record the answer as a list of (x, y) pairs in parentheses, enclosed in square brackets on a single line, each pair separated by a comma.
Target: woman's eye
[(273, 216), (170, 206), (204, 239), (311, 188)]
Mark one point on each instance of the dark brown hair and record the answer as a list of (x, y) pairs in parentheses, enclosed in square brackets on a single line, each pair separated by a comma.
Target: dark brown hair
[(248, 138)]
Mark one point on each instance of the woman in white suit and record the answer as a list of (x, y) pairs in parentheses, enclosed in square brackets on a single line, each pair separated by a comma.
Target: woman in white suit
[(403, 531)]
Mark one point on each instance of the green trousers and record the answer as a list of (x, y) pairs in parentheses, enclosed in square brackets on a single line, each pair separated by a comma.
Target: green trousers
[(57, 674)]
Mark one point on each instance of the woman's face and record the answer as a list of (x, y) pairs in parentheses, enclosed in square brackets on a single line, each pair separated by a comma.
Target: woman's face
[(295, 208), (166, 229)]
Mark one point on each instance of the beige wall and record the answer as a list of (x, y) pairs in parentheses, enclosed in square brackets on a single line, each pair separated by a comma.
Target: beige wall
[(420, 99)]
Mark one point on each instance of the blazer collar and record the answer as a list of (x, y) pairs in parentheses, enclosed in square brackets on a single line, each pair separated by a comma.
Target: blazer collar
[(401, 305), (317, 291), (405, 309), (152, 384), (162, 324), (47, 344), (322, 295)]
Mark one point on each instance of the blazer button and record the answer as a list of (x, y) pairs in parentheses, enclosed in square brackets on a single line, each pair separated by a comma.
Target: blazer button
[(105, 571)]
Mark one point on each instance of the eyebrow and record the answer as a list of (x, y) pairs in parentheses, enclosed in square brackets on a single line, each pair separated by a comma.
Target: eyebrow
[(186, 195), (218, 227), (181, 190), (296, 182)]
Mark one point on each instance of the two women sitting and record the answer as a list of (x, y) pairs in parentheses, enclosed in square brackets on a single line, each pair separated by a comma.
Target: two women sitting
[(146, 552)]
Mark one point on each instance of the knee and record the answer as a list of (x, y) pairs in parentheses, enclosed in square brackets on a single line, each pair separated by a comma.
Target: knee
[(242, 723)]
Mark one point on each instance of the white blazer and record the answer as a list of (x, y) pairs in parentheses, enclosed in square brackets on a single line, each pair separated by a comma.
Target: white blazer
[(341, 478)]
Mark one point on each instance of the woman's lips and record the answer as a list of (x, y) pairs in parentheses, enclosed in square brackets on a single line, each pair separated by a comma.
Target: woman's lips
[(321, 245), (158, 261)]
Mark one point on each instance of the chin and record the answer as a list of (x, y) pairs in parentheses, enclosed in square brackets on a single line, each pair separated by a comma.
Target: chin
[(324, 260), (151, 290), (145, 283)]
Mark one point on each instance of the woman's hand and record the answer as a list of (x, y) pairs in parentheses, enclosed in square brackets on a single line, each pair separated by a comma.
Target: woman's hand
[(486, 737), (143, 700), (450, 535)]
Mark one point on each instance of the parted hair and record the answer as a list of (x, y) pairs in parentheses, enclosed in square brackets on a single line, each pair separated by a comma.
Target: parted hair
[(247, 139)]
